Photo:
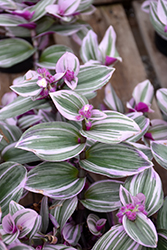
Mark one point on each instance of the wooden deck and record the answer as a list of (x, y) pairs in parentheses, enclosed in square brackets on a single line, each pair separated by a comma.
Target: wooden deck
[(128, 73)]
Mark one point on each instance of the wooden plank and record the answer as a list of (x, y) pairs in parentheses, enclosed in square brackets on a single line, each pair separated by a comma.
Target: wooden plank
[(130, 71), (102, 2), (159, 61)]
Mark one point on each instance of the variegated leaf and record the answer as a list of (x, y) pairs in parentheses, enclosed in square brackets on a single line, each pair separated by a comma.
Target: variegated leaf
[(58, 247), (39, 9), (115, 160), (9, 20), (13, 51), (92, 220), (142, 230), (44, 212), (92, 78), (162, 216), (21, 246), (27, 88), (56, 180), (146, 150), (111, 99), (52, 141), (102, 196), (13, 177), (143, 92), (51, 55), (161, 95), (89, 48), (113, 129), (10, 153), (72, 233), (156, 22), (116, 239), (143, 124), (158, 129), (63, 210), (162, 239), (149, 183), (19, 106), (68, 103), (10, 133), (159, 151)]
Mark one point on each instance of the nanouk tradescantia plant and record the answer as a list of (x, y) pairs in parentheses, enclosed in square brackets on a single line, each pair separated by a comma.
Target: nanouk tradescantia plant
[(55, 143), (26, 25)]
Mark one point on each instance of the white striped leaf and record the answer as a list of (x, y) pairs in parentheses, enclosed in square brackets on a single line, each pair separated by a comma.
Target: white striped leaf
[(51, 55), (155, 20), (115, 160), (2, 246), (52, 141), (162, 216), (146, 150), (143, 92), (142, 230), (143, 123), (58, 180), (19, 106), (107, 45), (92, 219), (62, 210), (162, 239), (27, 121), (159, 151), (9, 132), (13, 51), (113, 129), (67, 29), (112, 100), (102, 196), (116, 239), (161, 95), (14, 207), (21, 246), (12, 181), (158, 129), (10, 153), (92, 78), (8, 4), (149, 183), (39, 9), (72, 233), (89, 48), (68, 103), (27, 88), (8, 20), (125, 196), (58, 247)]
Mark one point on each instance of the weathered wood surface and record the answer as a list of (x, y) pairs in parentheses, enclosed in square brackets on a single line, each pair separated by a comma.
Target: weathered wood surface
[(130, 71), (101, 2), (158, 60)]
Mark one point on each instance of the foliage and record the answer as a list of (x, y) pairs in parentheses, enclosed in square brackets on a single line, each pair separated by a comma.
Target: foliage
[(53, 142)]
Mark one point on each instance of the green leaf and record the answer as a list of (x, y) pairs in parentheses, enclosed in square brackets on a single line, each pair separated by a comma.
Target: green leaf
[(159, 151), (162, 239), (102, 196), (68, 103), (92, 78), (19, 106), (142, 230), (10, 153), (12, 181), (51, 55), (13, 51), (149, 183), (58, 247), (62, 210), (115, 160), (113, 129), (116, 239), (56, 180), (52, 141), (39, 9), (162, 216)]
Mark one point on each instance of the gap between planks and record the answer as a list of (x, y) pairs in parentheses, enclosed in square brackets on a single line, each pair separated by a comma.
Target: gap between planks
[(158, 60)]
